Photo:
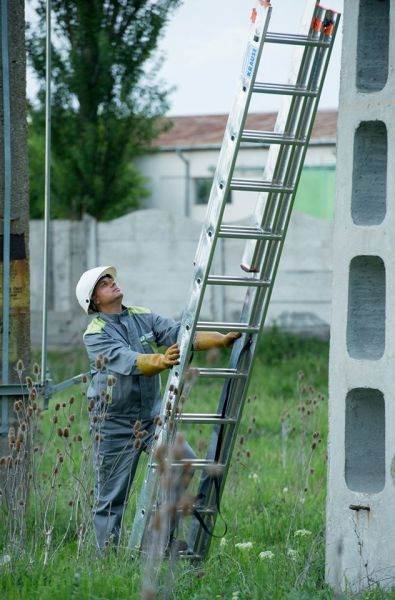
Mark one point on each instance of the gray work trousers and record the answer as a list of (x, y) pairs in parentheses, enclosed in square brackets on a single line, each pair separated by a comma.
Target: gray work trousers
[(115, 460)]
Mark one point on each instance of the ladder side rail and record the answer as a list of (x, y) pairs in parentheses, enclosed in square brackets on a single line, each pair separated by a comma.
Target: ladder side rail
[(269, 267), (275, 217), (281, 153), (237, 397), (285, 122), (205, 251), (272, 263), (217, 202), (203, 545), (307, 62)]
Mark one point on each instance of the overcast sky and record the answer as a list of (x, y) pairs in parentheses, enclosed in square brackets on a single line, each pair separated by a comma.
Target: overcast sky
[(203, 47)]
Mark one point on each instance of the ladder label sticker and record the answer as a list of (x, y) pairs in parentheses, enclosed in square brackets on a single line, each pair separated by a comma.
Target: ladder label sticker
[(250, 60)]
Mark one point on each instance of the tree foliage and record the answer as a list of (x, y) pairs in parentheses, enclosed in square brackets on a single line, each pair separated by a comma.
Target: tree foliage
[(106, 102)]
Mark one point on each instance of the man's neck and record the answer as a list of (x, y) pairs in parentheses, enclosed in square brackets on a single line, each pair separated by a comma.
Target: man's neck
[(113, 309)]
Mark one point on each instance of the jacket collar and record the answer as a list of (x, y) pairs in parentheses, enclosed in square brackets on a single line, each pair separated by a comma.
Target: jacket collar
[(114, 317)]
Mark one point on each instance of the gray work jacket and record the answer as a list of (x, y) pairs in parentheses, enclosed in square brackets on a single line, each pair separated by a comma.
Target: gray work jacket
[(120, 337)]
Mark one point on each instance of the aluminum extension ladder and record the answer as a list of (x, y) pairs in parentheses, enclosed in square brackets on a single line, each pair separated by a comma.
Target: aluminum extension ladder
[(264, 241)]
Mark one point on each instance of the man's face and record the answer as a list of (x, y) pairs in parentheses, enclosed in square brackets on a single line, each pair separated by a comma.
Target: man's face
[(106, 292)]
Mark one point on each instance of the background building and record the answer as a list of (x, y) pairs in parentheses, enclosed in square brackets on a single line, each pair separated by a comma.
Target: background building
[(154, 247)]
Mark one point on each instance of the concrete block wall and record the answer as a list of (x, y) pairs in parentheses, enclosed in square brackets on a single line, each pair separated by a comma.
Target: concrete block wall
[(360, 526), (154, 251)]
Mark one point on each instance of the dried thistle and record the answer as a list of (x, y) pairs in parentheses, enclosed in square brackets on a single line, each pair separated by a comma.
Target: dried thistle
[(17, 406), (36, 369), (137, 426), (158, 421), (99, 362)]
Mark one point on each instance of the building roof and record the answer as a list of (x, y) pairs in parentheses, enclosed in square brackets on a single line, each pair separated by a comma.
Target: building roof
[(202, 131)]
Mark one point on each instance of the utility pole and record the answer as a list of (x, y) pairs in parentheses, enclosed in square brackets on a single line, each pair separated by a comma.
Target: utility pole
[(14, 210)]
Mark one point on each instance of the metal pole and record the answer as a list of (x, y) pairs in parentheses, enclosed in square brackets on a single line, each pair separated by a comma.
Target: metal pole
[(7, 209), (187, 164), (47, 193)]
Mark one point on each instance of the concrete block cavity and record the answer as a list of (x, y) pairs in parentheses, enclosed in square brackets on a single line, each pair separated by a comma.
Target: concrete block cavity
[(366, 308), (365, 440), (372, 45), (369, 181)]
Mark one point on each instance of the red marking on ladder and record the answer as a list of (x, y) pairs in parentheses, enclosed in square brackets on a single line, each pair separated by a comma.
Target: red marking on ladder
[(265, 3), (254, 15), (336, 12), (328, 28), (316, 24)]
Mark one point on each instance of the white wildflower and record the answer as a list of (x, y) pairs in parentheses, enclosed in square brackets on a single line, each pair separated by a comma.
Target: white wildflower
[(244, 545), (302, 533), (5, 559), (235, 595), (223, 542), (293, 554), (266, 554), (285, 490), (254, 477)]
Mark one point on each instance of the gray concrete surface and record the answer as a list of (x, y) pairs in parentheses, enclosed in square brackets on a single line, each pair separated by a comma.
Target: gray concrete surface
[(360, 527)]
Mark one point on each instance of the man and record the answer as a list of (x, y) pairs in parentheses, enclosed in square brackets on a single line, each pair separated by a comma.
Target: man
[(124, 393)]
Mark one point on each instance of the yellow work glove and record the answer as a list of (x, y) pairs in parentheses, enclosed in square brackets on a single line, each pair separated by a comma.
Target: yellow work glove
[(152, 364), (205, 340)]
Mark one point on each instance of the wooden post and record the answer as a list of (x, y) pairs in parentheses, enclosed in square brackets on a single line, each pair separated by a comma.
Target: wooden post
[(19, 322)]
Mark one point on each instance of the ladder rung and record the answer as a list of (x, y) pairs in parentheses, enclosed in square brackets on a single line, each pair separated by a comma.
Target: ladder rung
[(217, 372), (201, 511), (189, 556), (249, 233), (271, 137), (197, 463), (208, 419), (218, 326), (282, 88), (256, 185), (294, 39), (242, 281)]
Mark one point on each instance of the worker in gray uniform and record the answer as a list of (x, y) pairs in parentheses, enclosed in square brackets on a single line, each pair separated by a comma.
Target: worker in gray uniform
[(124, 392)]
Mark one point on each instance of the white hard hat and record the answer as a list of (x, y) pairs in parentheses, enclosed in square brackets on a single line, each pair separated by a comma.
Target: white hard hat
[(87, 282)]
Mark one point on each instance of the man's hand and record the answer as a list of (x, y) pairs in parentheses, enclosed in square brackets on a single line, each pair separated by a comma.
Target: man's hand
[(152, 364), (205, 340), (230, 338), (172, 356)]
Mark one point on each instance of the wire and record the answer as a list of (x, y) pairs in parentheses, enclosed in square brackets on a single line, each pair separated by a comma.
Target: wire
[(47, 192)]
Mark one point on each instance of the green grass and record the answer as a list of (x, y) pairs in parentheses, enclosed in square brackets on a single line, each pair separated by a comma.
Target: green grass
[(265, 501)]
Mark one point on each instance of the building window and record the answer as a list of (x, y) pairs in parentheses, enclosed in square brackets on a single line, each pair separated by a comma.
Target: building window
[(203, 189), (316, 191)]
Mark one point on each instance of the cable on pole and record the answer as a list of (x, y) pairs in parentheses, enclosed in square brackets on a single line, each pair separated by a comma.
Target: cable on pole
[(47, 192), (5, 67)]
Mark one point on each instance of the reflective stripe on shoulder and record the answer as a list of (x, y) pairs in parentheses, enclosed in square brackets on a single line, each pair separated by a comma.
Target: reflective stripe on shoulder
[(138, 310), (95, 326)]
